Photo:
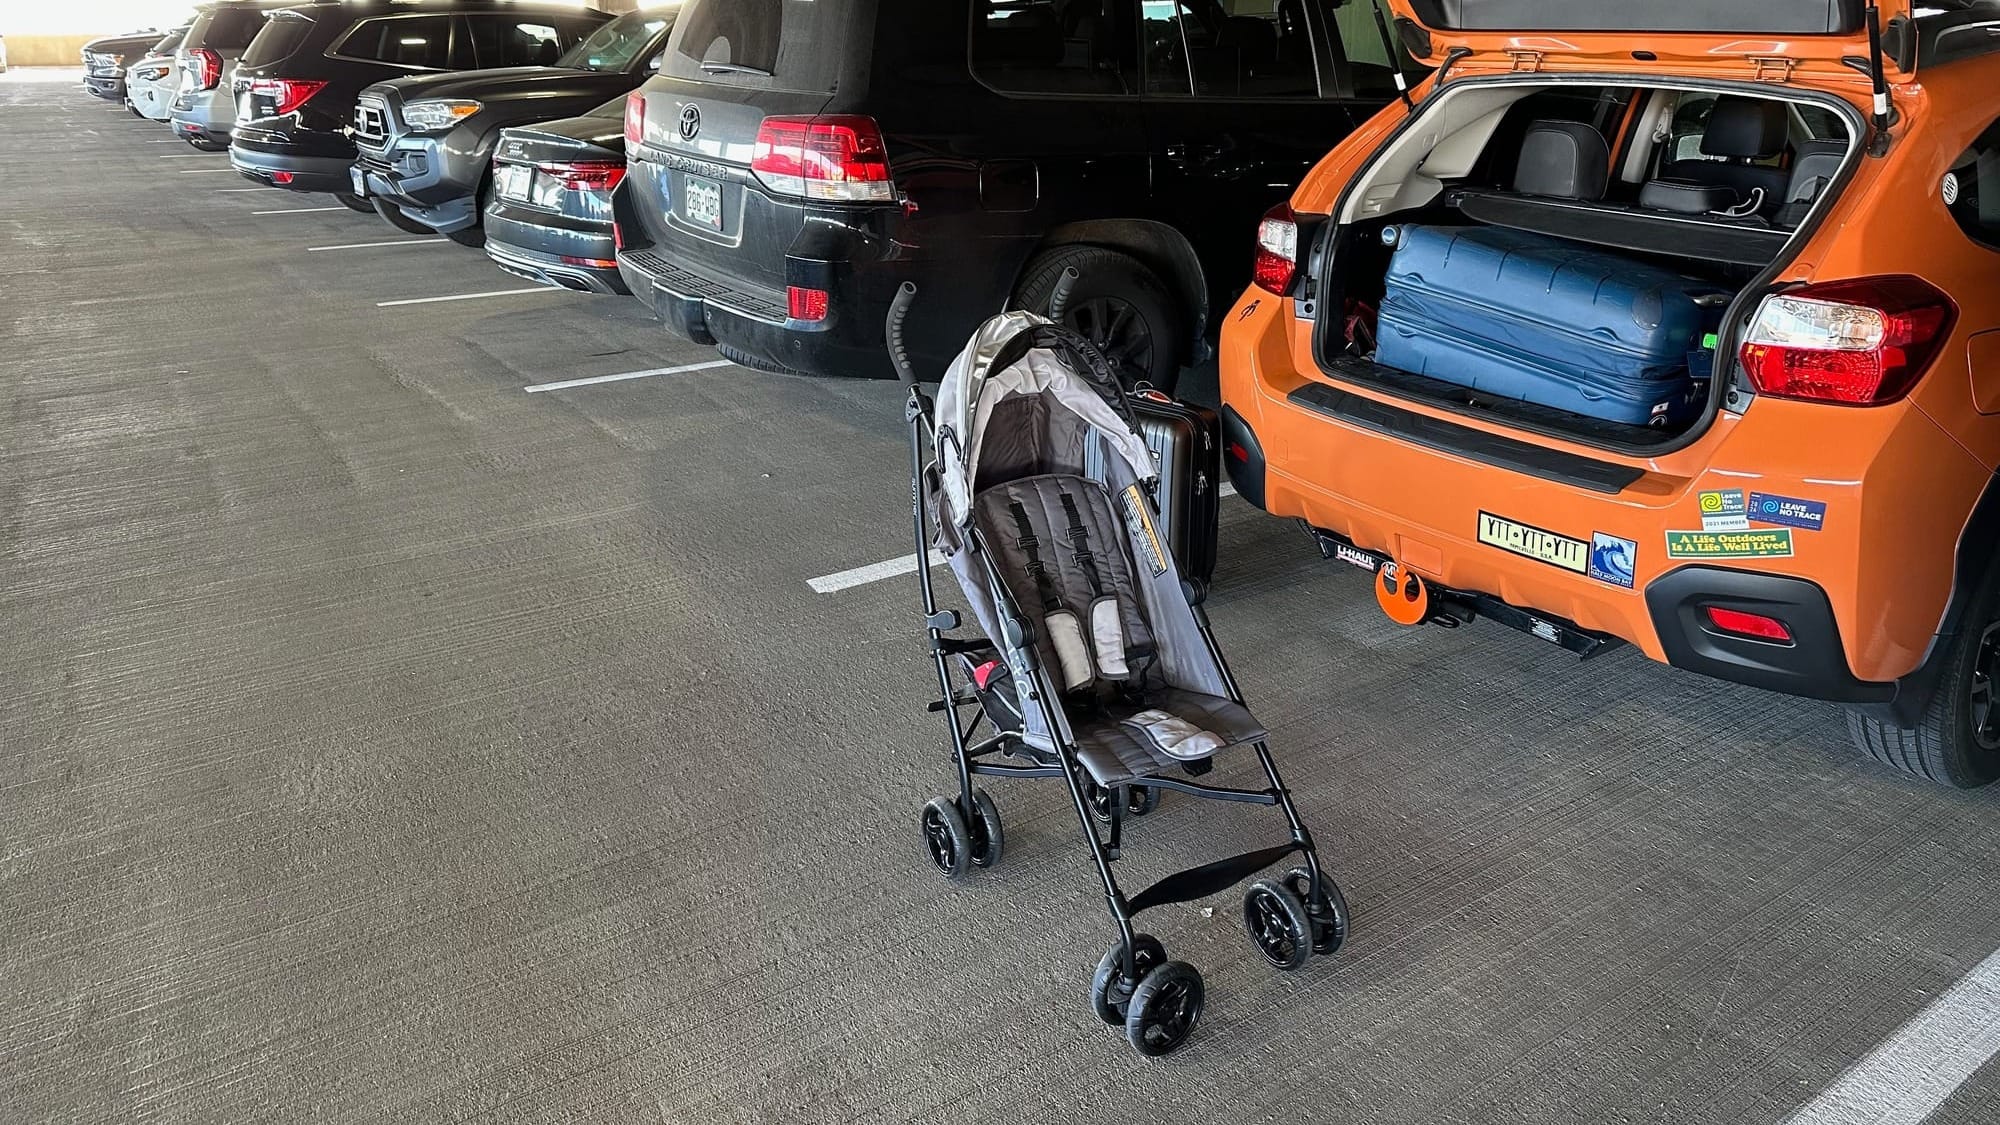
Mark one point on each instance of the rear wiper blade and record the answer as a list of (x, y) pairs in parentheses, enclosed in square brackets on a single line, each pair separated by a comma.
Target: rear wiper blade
[(734, 68)]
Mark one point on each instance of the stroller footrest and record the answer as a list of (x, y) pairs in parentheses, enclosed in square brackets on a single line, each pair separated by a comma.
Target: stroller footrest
[(1200, 882)]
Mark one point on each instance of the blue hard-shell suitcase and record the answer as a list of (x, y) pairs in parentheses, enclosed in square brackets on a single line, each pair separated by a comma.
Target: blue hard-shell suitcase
[(1525, 316)]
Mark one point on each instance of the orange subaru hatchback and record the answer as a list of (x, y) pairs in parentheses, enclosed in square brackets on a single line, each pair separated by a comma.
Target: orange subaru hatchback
[(1671, 324)]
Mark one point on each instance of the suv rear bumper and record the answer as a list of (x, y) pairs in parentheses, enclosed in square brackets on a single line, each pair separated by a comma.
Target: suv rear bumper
[(289, 170), (110, 87), (1862, 586), (758, 325), (1813, 664)]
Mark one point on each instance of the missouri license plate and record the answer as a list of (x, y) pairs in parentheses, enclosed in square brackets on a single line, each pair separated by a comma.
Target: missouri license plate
[(701, 202), (1534, 543)]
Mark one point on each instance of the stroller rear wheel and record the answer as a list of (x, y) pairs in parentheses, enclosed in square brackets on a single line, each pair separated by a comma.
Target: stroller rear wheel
[(946, 837), (1330, 919), (1139, 800), (987, 839), (1276, 917), (1164, 1009), (1111, 990)]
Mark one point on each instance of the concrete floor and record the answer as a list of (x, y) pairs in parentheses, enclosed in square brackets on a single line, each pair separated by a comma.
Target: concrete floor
[(383, 743)]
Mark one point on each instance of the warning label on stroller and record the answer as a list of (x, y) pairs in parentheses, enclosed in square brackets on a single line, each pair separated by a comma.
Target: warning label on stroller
[(1140, 530)]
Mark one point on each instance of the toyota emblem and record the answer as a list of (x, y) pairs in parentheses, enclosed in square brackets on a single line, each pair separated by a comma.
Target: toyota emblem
[(690, 121)]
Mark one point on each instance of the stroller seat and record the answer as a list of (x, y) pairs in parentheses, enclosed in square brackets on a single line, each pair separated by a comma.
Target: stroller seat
[(1117, 753), (1067, 559)]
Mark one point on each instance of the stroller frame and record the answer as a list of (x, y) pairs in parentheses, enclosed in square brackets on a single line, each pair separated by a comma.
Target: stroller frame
[(1157, 1001)]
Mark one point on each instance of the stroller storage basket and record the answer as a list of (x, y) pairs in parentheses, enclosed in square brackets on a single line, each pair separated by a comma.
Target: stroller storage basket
[(1097, 664)]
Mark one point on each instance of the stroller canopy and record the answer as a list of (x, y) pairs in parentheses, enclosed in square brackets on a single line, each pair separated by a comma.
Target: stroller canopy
[(1024, 399)]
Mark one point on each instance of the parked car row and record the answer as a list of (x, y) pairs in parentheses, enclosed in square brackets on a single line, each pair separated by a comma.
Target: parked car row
[(779, 169)]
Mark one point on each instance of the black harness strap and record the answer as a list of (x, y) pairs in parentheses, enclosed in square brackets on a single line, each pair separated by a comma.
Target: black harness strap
[(1079, 541), (1032, 547)]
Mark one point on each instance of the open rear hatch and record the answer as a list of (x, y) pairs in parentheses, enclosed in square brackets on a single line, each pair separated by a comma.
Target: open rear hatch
[(1773, 40), (1573, 258)]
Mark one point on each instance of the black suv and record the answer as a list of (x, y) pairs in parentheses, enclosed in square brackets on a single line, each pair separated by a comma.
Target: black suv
[(426, 142), (793, 163), (297, 83)]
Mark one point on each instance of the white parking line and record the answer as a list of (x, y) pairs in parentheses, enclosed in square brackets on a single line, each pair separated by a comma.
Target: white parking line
[(365, 245), (468, 296), (1908, 1076), (622, 376), (300, 211), (873, 572)]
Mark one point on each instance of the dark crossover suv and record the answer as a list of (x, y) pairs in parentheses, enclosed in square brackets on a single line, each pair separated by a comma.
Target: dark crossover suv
[(793, 163), (426, 142), (549, 215), (297, 83), (104, 62)]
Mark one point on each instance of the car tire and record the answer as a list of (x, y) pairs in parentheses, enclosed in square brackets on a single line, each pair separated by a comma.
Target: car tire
[(397, 219), (1957, 742), (354, 202), (473, 236), (1119, 304)]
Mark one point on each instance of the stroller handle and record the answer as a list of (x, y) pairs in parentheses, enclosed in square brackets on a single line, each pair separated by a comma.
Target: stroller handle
[(899, 353), (1059, 299)]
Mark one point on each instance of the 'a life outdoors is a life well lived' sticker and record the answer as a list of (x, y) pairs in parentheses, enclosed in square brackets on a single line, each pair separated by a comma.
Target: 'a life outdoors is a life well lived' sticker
[(1760, 543)]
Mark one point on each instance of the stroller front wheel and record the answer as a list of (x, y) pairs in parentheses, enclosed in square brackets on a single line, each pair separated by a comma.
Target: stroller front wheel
[(1111, 989), (1164, 1009), (1329, 919), (946, 837)]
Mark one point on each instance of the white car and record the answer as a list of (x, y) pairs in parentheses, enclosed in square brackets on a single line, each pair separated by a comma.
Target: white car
[(150, 83)]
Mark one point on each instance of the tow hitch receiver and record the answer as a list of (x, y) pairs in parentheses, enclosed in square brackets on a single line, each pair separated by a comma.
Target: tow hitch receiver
[(1451, 608)]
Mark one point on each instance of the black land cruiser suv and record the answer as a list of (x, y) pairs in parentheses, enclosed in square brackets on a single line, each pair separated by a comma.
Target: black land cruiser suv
[(297, 82), (426, 142), (792, 164)]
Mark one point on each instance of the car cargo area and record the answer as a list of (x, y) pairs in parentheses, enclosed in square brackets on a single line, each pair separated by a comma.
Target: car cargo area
[(1568, 259)]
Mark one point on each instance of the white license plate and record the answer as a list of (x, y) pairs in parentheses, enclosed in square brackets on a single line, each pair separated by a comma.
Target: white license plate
[(360, 181), (701, 202), (513, 180)]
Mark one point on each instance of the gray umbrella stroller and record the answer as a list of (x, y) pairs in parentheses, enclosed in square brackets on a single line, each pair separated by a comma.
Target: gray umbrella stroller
[(1097, 664)]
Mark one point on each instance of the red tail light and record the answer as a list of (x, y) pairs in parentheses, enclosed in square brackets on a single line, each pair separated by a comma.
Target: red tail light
[(207, 68), (835, 157), (1859, 343), (1277, 261), (288, 93), (1756, 626), (584, 176), (635, 118), (806, 304), (617, 236)]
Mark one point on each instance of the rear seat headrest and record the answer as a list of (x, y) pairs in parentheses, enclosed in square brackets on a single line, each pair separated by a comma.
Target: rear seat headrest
[(1565, 159), (1745, 128)]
